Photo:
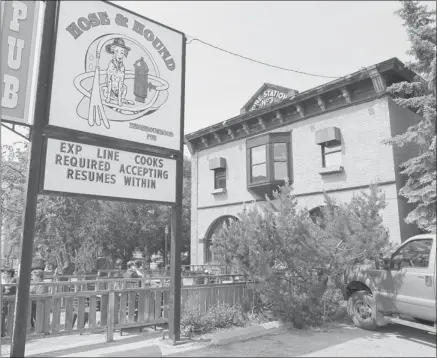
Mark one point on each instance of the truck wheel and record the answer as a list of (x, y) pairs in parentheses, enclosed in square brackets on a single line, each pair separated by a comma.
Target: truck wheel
[(360, 308)]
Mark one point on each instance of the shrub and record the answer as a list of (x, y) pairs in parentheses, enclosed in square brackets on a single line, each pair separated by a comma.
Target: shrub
[(193, 320), (300, 304), (299, 258)]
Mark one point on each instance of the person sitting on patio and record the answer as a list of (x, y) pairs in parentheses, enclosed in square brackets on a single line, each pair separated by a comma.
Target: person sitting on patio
[(36, 289), (132, 271), (7, 277)]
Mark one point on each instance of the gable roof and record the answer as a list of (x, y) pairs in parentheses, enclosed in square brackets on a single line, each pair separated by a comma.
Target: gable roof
[(289, 91)]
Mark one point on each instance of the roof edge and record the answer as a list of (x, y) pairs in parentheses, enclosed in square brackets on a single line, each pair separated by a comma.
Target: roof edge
[(388, 65)]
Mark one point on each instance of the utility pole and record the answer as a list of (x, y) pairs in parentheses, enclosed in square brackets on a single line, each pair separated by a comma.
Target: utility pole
[(40, 120)]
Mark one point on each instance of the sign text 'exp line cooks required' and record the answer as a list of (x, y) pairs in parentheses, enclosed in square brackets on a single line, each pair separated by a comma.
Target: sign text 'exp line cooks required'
[(93, 170)]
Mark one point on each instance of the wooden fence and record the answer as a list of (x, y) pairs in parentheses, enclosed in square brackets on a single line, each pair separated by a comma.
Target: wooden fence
[(187, 270), (75, 283), (109, 307)]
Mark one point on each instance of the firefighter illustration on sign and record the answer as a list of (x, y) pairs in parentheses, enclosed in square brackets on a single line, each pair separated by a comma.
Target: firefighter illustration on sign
[(115, 88), (127, 86)]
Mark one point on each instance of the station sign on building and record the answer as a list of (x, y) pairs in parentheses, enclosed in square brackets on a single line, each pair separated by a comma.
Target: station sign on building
[(267, 95), (19, 29), (117, 75)]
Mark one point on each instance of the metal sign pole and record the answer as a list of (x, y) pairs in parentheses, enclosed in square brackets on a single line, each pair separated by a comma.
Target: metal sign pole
[(175, 258), (40, 120), (1, 218), (176, 226), (166, 248), (1, 251)]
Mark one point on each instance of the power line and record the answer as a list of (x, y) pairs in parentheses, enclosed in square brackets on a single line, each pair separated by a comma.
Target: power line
[(256, 61)]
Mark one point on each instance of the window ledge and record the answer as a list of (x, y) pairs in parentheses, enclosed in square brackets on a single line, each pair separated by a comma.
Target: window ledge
[(218, 191), (331, 170)]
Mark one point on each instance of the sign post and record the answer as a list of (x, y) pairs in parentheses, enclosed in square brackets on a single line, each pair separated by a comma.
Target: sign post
[(176, 226), (175, 260), (41, 116), (166, 247)]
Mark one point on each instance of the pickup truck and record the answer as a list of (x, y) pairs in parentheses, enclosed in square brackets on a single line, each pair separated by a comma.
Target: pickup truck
[(399, 288)]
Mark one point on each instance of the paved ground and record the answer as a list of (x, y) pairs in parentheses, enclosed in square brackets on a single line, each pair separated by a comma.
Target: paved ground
[(333, 341), (87, 345), (345, 341)]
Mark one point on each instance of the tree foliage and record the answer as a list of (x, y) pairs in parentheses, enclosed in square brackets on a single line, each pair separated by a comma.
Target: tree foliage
[(298, 258), (14, 167), (420, 96), (73, 232)]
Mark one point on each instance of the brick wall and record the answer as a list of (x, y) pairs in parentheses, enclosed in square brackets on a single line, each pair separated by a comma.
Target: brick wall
[(390, 213), (365, 160)]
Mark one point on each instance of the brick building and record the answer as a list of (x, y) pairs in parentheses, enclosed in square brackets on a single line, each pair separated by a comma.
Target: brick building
[(325, 139)]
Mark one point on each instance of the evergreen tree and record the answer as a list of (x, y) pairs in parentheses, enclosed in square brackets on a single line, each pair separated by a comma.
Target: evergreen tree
[(301, 259), (420, 96)]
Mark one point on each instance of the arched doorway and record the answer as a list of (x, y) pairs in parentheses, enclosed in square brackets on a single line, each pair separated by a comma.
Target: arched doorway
[(214, 229)]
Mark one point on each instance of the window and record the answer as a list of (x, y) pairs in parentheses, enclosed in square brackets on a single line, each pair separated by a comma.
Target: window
[(321, 215), (330, 142), (220, 178), (414, 254), (315, 214), (258, 160), (280, 159), (331, 156), (268, 162), (218, 165)]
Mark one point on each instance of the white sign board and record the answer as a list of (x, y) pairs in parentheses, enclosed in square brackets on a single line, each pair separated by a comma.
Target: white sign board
[(117, 75), (92, 170), (19, 63)]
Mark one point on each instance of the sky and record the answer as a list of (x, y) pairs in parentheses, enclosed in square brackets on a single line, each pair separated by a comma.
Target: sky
[(331, 38)]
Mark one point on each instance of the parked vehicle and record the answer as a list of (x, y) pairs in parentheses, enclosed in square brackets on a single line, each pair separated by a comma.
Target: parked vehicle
[(399, 288)]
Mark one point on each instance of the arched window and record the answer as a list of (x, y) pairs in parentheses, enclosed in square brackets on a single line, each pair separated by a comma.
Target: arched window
[(319, 213), (315, 213), (215, 229)]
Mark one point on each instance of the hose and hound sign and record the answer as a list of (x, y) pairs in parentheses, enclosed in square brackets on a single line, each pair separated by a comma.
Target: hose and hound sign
[(117, 78)]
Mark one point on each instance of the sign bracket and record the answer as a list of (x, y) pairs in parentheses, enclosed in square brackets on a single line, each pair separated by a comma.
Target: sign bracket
[(12, 129)]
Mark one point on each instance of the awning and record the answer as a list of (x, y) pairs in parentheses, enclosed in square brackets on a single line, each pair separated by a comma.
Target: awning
[(330, 135), (217, 163)]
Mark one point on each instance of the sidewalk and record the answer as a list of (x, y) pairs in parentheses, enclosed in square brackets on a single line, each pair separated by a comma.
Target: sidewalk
[(147, 344), (83, 345), (330, 341)]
